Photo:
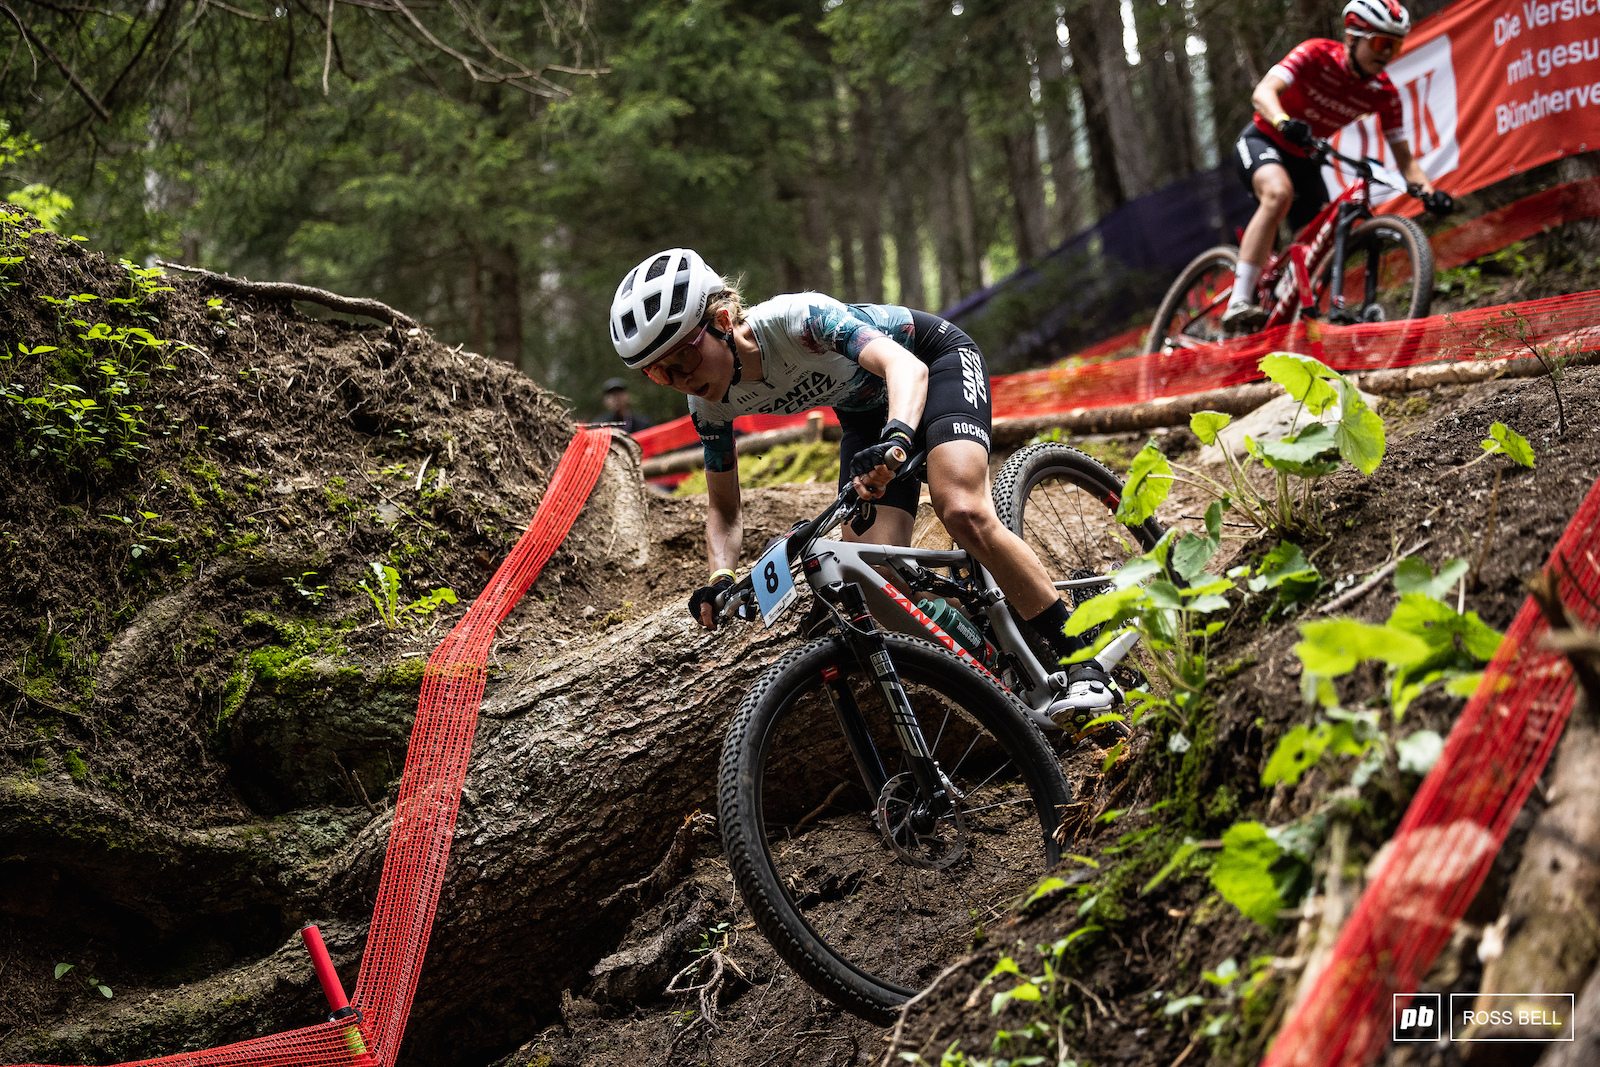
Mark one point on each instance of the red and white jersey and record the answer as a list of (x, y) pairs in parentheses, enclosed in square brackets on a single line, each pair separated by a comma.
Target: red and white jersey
[(1323, 92)]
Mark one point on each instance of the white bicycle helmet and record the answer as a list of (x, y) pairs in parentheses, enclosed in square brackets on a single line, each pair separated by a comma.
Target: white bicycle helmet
[(659, 303), (1377, 16)]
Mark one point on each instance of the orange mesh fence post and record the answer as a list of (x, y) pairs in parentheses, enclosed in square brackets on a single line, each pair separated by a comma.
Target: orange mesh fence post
[(425, 814), (1454, 827)]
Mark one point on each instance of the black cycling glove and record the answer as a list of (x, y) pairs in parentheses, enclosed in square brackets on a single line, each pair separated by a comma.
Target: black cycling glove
[(895, 434), (1296, 131), (707, 594), (1439, 202)]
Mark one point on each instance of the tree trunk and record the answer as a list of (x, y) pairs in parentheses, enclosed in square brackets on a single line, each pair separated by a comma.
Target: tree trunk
[(1169, 98), (1021, 144), (1060, 128), (1083, 42), (505, 303), (941, 222), (869, 205), (842, 201), (1116, 79), (970, 246), (900, 147), (582, 769), (1549, 937)]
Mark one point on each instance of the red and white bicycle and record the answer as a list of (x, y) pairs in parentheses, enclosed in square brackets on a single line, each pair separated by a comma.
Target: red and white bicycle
[(1347, 266)]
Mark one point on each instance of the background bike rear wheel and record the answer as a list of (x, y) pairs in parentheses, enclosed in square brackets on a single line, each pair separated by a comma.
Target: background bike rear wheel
[(868, 923), (1388, 273), (1191, 312)]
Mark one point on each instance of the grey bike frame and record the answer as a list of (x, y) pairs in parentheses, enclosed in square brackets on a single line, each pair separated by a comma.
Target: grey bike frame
[(856, 561)]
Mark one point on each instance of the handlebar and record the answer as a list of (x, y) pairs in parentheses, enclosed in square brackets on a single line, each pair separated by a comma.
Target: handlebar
[(1368, 168), (842, 509)]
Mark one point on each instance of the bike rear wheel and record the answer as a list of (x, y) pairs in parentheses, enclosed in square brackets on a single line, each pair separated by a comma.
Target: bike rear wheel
[(866, 923), (1191, 312), (1061, 502), (1388, 273)]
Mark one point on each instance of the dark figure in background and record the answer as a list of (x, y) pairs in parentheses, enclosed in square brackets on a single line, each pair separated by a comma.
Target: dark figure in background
[(619, 410)]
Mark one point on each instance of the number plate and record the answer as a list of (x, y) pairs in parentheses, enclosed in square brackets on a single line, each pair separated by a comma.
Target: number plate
[(773, 583)]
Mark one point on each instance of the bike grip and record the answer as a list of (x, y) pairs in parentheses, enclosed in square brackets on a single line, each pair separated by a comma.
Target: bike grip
[(895, 458)]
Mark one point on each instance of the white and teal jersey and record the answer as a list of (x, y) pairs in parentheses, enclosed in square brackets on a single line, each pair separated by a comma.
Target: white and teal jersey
[(810, 350)]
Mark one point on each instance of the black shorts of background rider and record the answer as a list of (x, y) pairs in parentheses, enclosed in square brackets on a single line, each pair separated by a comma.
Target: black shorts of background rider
[(958, 406), (1254, 149)]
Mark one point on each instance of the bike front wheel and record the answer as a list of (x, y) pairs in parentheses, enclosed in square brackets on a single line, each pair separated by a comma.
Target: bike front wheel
[(1191, 312), (864, 913), (1388, 274)]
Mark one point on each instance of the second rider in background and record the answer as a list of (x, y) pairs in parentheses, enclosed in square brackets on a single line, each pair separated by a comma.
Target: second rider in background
[(894, 376), (1315, 91)]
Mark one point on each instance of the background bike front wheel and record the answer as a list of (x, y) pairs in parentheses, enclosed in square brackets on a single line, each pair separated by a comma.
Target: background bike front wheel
[(1388, 273), (868, 917)]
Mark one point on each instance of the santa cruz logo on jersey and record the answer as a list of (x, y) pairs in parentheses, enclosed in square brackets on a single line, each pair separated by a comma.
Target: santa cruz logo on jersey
[(974, 382), (803, 394)]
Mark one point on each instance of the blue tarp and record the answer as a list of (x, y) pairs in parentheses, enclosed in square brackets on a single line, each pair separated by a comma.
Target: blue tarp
[(1098, 282)]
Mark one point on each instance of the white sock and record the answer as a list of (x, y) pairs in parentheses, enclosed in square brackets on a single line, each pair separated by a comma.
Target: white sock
[(1244, 283)]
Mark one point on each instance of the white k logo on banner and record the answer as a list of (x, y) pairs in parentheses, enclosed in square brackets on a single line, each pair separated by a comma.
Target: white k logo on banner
[(1426, 78)]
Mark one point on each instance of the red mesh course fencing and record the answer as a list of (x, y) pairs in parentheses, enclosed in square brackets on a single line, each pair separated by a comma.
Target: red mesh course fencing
[(425, 813), (1064, 388), (1454, 827)]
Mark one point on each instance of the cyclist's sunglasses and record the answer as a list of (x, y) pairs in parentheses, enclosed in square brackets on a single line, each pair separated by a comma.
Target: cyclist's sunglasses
[(680, 363), (1382, 45)]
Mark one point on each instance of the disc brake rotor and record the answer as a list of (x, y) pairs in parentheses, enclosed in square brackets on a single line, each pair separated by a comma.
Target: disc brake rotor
[(918, 839)]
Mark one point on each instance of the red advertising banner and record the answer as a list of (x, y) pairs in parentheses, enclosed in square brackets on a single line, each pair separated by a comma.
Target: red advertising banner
[(1490, 88)]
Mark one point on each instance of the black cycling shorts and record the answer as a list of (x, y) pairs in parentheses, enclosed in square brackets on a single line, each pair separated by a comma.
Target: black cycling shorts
[(1254, 149), (957, 409)]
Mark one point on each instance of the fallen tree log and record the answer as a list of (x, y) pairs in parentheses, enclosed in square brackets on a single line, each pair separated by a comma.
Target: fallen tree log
[(583, 770)]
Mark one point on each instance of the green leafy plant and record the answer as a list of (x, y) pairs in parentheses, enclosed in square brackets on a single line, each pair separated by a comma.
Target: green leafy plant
[(385, 596), (93, 984), (1168, 598), (301, 585), (1297, 462), (1424, 642)]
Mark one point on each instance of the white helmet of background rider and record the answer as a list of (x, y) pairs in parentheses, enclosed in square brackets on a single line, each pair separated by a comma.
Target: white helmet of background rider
[(1377, 16), (659, 303)]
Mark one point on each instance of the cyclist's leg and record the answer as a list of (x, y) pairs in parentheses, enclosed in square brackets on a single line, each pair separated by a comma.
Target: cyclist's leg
[(955, 427), (895, 512), (1260, 165)]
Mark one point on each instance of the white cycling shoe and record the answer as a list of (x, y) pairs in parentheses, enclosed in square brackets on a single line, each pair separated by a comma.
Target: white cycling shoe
[(1089, 691)]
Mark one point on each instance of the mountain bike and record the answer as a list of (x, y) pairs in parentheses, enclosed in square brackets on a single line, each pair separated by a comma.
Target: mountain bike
[(1346, 266), (886, 790)]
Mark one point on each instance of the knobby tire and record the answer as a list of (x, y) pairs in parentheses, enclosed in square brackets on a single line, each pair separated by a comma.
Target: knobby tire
[(854, 920)]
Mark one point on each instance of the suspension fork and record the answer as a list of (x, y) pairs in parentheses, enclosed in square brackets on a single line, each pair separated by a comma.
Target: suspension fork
[(866, 641), (1341, 239)]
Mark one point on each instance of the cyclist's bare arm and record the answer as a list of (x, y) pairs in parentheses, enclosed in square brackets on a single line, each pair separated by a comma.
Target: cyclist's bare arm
[(1265, 98), (907, 378), (1407, 164), (724, 519)]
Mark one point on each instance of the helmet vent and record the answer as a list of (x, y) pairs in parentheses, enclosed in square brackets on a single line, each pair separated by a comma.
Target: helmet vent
[(630, 325), (680, 297), (627, 283), (652, 304), (658, 267)]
